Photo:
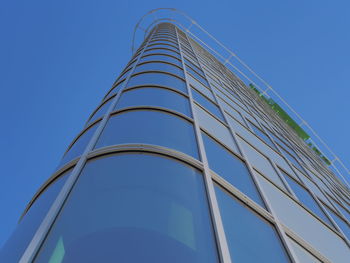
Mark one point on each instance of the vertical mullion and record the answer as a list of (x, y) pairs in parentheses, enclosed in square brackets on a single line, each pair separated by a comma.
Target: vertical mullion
[(277, 223), (211, 196), (45, 226)]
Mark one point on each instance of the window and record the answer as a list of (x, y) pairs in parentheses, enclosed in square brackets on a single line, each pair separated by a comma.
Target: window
[(250, 238), (160, 79), (133, 207), (210, 106), (150, 127), (101, 111), (161, 45), (230, 168), (199, 86), (305, 225), (164, 58), (159, 66), (306, 198), (161, 51), (215, 128), (340, 222), (235, 114), (260, 162), (197, 75), (262, 135), (152, 96), (114, 90), (302, 254), (79, 145), (26, 228)]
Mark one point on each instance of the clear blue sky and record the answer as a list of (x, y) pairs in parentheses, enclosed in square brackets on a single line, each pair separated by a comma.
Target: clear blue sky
[(58, 58)]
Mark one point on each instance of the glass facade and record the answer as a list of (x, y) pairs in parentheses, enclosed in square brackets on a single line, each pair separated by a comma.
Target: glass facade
[(182, 162)]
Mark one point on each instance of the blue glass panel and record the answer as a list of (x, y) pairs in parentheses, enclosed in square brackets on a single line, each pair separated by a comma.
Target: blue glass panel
[(262, 135), (211, 107), (160, 45), (133, 208), (250, 237), (230, 168), (162, 58), (340, 222), (155, 97), (150, 127), (306, 198), (161, 51), (114, 90), (160, 79), (26, 228), (197, 76), (79, 145), (101, 111), (158, 66), (345, 213)]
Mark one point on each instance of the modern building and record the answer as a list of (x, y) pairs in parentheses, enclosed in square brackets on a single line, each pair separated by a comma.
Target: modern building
[(183, 162)]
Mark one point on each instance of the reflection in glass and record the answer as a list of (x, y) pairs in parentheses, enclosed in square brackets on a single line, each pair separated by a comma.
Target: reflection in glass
[(210, 106), (230, 168), (162, 58), (101, 111), (159, 66), (79, 145), (150, 127), (306, 198), (160, 79), (26, 228), (250, 238), (152, 96), (133, 208)]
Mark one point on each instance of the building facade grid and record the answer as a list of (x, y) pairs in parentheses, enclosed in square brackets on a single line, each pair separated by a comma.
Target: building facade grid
[(284, 179)]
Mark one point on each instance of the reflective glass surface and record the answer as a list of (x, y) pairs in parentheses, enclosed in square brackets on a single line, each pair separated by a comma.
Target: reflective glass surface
[(262, 135), (305, 225), (160, 79), (79, 145), (215, 128), (159, 66), (15, 246), (210, 106), (133, 208), (340, 222), (250, 238), (155, 97), (101, 111), (114, 90), (161, 51), (302, 254), (305, 197), (162, 58), (230, 168), (150, 127), (259, 161)]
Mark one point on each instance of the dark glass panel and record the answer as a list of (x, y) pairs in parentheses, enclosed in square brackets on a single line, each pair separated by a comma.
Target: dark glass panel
[(133, 208), (150, 127), (249, 236)]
